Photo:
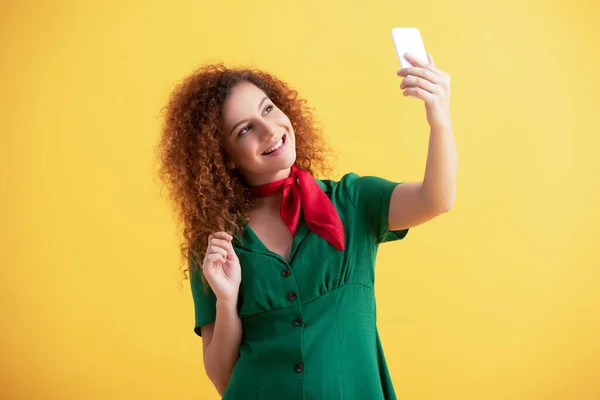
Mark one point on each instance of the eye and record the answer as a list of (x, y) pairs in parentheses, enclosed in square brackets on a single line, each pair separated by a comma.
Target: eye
[(244, 130), (268, 109)]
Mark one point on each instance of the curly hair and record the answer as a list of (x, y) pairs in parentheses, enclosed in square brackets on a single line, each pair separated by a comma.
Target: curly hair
[(207, 193)]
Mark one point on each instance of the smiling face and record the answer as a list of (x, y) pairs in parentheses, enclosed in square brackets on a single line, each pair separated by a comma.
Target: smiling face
[(258, 137)]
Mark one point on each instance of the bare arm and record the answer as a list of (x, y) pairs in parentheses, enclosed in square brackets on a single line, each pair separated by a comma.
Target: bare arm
[(416, 202), (221, 344), (222, 339)]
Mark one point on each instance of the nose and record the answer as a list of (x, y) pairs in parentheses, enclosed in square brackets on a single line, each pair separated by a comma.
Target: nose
[(269, 132)]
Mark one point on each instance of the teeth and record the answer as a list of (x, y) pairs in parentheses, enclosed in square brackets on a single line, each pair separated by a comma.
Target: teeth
[(277, 146)]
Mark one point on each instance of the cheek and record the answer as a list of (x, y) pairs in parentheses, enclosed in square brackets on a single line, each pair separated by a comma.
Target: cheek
[(286, 119), (281, 117), (232, 152), (243, 150)]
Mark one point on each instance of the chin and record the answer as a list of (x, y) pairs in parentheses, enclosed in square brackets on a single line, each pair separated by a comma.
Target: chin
[(292, 160), (282, 166)]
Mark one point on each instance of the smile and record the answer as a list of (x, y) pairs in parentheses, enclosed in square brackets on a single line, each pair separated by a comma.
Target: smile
[(277, 148)]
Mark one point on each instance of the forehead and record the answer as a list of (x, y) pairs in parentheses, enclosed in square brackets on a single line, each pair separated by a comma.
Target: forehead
[(242, 101)]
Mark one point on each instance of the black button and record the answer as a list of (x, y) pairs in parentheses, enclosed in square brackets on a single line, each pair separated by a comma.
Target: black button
[(291, 296), (298, 322), (285, 273), (299, 367)]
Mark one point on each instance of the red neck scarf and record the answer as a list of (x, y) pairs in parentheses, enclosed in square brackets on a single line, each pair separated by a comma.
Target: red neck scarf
[(300, 191)]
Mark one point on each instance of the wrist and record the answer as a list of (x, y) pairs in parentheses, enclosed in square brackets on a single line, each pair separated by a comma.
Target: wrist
[(227, 305), (442, 129)]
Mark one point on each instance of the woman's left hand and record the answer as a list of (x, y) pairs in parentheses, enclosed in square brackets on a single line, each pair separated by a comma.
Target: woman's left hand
[(430, 84)]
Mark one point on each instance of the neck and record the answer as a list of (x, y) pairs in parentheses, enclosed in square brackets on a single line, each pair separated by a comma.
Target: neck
[(258, 180), (268, 203)]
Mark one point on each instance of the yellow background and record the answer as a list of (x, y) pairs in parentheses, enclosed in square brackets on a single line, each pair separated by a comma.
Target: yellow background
[(499, 299)]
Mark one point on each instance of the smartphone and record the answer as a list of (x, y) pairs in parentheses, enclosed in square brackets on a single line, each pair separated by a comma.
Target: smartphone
[(409, 40)]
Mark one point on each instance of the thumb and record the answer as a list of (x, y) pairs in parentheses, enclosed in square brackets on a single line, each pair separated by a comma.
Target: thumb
[(230, 251), (430, 58)]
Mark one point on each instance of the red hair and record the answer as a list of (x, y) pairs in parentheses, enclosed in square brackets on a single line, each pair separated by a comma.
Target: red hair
[(208, 195)]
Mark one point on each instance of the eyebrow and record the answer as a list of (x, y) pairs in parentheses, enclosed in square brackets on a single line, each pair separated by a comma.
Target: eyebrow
[(242, 121)]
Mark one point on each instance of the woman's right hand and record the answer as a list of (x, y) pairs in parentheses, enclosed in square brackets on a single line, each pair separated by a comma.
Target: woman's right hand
[(221, 267)]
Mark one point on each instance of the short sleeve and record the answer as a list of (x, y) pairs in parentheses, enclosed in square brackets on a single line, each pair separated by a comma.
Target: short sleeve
[(205, 301), (371, 197)]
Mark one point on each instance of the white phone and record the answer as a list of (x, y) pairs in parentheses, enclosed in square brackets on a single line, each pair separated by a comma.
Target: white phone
[(409, 40)]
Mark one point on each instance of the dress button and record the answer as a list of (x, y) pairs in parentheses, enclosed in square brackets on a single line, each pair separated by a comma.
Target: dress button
[(285, 273), (299, 367), (298, 322), (291, 296)]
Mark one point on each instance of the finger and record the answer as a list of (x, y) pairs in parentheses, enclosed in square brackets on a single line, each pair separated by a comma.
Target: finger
[(418, 93), (219, 242), (414, 60), (430, 58), (436, 70), (222, 235), (428, 74), (213, 259), (231, 253), (415, 70), (418, 82), (217, 249)]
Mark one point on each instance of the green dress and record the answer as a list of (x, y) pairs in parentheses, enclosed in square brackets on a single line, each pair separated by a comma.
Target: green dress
[(309, 325)]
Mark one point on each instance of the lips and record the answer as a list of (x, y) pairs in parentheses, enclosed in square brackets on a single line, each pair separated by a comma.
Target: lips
[(273, 147)]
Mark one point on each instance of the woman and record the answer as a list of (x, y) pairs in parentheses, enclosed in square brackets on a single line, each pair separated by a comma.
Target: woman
[(281, 264)]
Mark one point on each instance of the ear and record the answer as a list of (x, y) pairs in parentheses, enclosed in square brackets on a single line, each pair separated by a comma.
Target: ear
[(229, 165)]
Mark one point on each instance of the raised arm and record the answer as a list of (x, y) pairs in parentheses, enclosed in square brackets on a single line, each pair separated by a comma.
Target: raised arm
[(413, 203)]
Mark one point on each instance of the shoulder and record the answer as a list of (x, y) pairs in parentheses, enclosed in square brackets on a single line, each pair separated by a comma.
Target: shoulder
[(345, 182), (349, 186)]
